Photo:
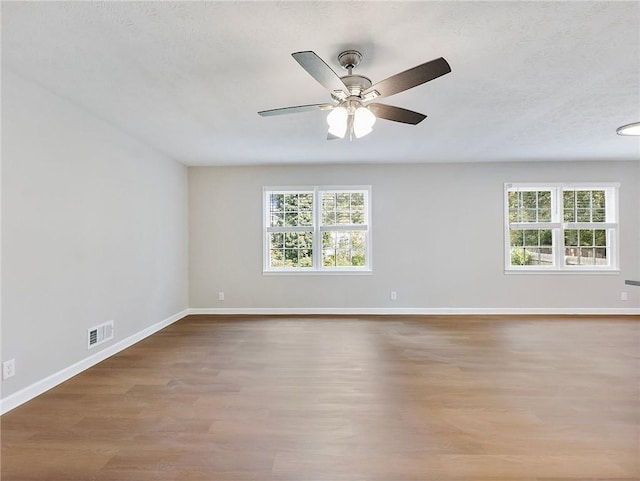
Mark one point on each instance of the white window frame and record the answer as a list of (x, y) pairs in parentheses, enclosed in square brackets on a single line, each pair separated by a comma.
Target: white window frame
[(558, 226), (316, 229)]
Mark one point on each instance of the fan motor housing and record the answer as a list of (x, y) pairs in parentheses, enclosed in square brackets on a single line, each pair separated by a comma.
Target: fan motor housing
[(356, 83)]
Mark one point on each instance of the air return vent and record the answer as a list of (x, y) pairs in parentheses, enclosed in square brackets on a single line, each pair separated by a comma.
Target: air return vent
[(99, 334)]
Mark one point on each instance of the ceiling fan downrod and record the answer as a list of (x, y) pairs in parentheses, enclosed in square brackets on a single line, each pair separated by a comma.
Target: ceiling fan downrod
[(349, 59)]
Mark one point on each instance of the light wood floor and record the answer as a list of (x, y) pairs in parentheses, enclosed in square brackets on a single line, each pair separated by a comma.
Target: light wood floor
[(345, 399)]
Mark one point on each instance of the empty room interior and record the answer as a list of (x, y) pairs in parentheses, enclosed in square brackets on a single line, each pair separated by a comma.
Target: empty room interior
[(320, 241)]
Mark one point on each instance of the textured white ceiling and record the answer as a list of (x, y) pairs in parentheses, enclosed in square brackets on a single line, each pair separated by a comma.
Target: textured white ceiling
[(529, 81)]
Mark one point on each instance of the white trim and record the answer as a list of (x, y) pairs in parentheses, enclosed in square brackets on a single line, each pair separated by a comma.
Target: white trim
[(16, 399), (582, 270), (421, 311), (558, 226), (324, 272), (316, 229)]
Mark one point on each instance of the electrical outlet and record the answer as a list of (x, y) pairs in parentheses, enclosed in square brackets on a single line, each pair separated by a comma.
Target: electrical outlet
[(221, 296), (623, 296), (394, 296), (8, 369)]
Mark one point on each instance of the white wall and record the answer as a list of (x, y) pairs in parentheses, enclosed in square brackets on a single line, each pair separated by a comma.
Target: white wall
[(437, 241), (94, 228)]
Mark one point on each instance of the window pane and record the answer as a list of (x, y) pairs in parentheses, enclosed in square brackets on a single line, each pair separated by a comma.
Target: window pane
[(358, 257), (291, 257), (277, 240), (343, 201), (344, 248), (517, 237), (583, 199), (585, 205), (587, 256), (343, 208), (277, 219), (544, 200), (343, 240), (343, 257), (291, 219), (569, 215), (328, 201), (276, 202), (305, 240), (357, 217), (358, 240), (600, 238), (529, 200), (598, 215), (342, 217), (291, 202), (531, 237), (305, 258), (601, 256), (357, 201), (544, 215), (586, 237), (276, 258), (571, 256), (328, 239), (534, 256), (583, 215), (514, 200), (531, 247), (305, 202), (568, 199), (529, 206), (529, 215), (571, 237), (598, 199), (329, 218), (329, 258), (305, 218), (290, 240), (588, 247)]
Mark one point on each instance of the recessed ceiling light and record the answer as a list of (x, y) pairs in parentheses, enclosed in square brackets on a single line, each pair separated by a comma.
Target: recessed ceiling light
[(629, 129)]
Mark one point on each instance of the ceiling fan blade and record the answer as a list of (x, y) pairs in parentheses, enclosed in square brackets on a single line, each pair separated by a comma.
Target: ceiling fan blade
[(396, 114), (319, 70), (294, 110), (410, 78)]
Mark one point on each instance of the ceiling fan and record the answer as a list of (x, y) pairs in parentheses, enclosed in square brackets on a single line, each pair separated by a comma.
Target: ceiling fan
[(353, 110)]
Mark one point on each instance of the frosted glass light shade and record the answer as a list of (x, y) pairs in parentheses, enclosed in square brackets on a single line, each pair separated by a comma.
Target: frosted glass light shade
[(363, 121), (337, 120)]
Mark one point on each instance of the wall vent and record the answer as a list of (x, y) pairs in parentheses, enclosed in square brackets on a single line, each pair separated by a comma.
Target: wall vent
[(99, 334)]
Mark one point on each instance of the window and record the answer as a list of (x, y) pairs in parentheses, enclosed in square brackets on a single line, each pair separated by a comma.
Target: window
[(561, 227), (317, 229)]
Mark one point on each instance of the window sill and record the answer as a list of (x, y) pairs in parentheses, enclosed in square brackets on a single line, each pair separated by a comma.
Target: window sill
[(564, 272), (367, 272)]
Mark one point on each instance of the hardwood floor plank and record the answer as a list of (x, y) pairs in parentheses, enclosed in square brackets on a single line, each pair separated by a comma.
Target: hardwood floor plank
[(247, 398)]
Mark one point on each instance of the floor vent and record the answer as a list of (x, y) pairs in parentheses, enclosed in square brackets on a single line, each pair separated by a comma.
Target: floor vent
[(100, 334)]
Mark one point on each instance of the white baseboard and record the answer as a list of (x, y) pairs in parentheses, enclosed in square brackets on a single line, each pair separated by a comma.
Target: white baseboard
[(433, 311), (16, 399)]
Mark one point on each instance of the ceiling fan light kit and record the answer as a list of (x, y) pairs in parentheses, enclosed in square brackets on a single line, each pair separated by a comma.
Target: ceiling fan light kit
[(352, 111)]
